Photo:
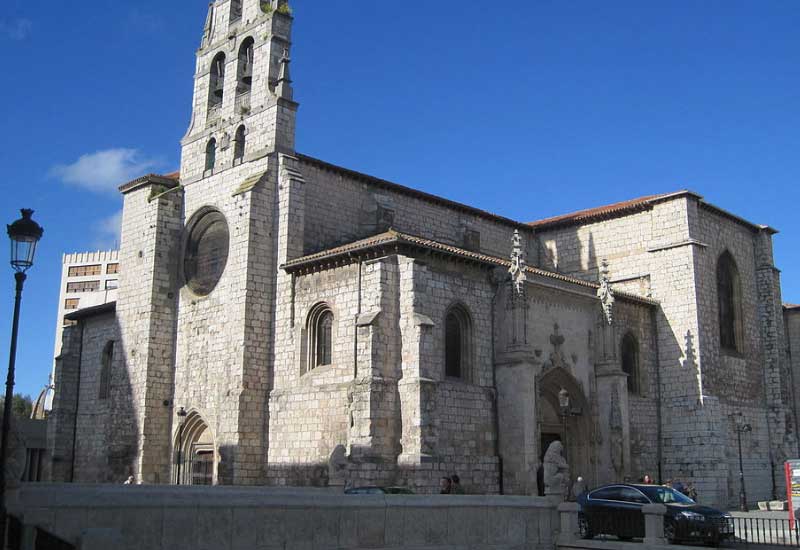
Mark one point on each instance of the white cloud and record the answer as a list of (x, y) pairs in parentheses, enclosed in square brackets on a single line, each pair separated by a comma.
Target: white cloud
[(107, 232), (15, 29), (104, 171)]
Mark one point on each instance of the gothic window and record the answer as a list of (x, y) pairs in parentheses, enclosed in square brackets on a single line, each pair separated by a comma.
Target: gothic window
[(630, 361), (216, 88), (244, 80), (457, 343), (105, 370), (211, 155), (239, 145), (320, 337), (206, 253), (729, 303)]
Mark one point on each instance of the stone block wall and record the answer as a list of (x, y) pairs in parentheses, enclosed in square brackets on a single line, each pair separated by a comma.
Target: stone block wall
[(95, 415), (151, 226), (670, 251), (223, 339), (158, 518), (342, 207)]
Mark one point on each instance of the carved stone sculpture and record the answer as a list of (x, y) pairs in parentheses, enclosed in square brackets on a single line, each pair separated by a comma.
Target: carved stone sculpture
[(605, 293), (517, 269), (556, 471)]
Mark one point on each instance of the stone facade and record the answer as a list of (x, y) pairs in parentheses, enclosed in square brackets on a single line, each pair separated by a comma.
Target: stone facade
[(449, 333)]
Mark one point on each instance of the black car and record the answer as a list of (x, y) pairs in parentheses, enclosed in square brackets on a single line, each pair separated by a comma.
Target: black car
[(617, 510), (372, 490)]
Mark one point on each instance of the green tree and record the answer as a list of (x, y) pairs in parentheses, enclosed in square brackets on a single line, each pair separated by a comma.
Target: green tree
[(21, 405)]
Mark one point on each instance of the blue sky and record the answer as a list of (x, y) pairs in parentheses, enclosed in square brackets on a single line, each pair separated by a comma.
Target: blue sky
[(525, 108)]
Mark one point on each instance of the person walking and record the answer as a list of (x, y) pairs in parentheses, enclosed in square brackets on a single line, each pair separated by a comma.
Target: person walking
[(445, 486), (455, 486)]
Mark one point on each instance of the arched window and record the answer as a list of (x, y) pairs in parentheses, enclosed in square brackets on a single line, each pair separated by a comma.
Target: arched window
[(216, 87), (236, 10), (729, 299), (457, 343), (630, 361), (244, 71), (105, 370), (239, 145), (320, 337), (211, 155)]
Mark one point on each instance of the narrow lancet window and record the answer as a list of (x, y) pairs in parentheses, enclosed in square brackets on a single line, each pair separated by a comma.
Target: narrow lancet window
[(245, 67), (211, 155), (105, 370), (729, 303), (457, 338), (630, 361), (216, 91), (320, 337), (239, 145)]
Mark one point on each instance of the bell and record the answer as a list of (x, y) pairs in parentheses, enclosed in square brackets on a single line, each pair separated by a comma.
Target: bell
[(219, 89), (247, 73)]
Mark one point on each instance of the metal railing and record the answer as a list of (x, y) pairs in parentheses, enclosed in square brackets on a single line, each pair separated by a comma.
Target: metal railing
[(749, 531), (214, 111), (242, 103)]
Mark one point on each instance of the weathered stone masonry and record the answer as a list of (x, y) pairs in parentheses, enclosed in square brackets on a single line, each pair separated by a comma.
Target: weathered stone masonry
[(431, 359)]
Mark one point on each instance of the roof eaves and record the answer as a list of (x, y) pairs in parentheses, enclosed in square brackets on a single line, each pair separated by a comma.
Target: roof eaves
[(168, 181), (608, 211), (395, 238), (85, 313), (733, 217)]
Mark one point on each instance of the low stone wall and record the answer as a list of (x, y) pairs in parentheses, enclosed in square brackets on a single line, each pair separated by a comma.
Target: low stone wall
[(126, 517)]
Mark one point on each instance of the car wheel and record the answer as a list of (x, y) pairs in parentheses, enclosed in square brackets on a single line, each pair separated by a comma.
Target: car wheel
[(584, 530), (669, 532)]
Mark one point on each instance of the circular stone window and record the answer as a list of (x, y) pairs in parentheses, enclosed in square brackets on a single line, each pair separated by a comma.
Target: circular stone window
[(206, 252)]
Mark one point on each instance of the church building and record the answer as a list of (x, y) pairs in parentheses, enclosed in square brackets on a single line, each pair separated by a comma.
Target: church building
[(284, 321)]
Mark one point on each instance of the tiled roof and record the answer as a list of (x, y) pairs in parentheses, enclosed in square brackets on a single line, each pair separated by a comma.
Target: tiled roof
[(392, 238), (607, 211), (791, 306)]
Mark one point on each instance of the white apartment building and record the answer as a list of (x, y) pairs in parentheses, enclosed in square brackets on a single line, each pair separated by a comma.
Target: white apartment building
[(88, 279)]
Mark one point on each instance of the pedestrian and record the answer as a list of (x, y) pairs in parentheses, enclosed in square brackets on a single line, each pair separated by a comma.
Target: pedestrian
[(647, 480), (445, 486), (130, 481), (691, 492), (678, 485), (455, 486), (579, 487)]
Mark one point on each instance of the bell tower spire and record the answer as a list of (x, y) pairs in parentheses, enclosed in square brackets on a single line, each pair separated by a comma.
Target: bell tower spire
[(243, 107)]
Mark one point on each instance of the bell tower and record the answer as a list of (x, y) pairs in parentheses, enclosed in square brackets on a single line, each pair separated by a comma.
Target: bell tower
[(243, 107)]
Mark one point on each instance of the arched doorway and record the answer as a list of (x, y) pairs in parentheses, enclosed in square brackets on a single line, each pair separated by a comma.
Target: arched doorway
[(574, 429), (195, 453)]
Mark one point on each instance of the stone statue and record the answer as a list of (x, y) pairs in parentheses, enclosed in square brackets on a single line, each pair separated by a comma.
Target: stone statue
[(605, 293), (556, 471)]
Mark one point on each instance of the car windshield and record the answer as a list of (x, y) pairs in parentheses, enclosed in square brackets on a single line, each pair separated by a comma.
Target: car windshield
[(665, 495)]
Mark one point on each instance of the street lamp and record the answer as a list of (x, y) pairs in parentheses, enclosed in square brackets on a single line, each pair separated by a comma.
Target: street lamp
[(24, 234), (741, 428), (181, 421), (563, 404)]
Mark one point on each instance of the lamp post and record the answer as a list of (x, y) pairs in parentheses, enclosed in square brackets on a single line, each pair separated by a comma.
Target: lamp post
[(741, 428), (181, 421), (24, 234), (563, 404)]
